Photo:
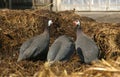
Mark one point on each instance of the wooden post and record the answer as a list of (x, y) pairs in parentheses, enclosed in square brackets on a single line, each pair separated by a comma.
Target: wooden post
[(90, 5), (51, 1), (58, 5), (10, 4), (107, 5), (54, 5), (33, 4)]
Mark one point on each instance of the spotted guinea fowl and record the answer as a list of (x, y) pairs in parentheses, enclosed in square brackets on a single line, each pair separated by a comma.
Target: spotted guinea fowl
[(61, 50), (85, 46), (36, 47)]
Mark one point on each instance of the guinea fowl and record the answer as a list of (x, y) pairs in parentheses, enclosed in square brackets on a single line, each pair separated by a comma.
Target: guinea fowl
[(36, 47), (85, 46), (61, 50)]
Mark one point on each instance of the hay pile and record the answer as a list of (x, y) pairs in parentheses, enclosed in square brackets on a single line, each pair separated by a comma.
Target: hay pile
[(101, 69), (16, 26), (108, 39)]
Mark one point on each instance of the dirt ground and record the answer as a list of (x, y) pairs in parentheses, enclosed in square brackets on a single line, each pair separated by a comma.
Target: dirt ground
[(16, 26)]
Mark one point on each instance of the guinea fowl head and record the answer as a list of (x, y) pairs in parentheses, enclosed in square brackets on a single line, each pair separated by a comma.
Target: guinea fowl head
[(50, 22), (47, 28), (77, 24)]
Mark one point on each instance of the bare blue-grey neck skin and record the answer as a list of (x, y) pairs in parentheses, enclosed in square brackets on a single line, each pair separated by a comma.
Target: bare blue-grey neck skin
[(47, 30), (79, 29)]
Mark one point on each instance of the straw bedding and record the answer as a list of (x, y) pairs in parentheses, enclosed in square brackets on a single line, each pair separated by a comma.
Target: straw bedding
[(16, 26)]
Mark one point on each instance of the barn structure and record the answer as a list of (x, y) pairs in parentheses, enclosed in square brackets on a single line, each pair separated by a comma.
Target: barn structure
[(24, 4), (15, 4), (61, 5), (87, 5)]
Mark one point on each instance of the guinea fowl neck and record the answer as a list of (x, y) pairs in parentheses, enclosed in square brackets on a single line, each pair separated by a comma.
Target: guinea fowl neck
[(79, 30), (46, 30)]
